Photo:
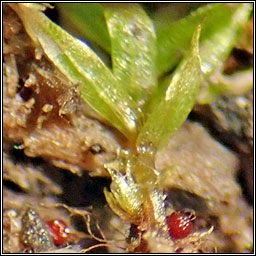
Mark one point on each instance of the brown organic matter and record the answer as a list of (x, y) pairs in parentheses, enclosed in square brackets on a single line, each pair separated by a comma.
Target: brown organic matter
[(51, 136)]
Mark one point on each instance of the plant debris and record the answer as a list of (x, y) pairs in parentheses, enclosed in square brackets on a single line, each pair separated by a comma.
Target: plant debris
[(52, 138)]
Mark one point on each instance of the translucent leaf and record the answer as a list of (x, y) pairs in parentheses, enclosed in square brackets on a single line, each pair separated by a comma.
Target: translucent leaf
[(88, 20), (81, 65), (115, 206), (215, 50), (176, 104), (220, 24), (133, 48), (126, 192)]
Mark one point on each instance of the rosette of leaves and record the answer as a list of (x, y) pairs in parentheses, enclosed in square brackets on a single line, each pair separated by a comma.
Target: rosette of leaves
[(132, 95)]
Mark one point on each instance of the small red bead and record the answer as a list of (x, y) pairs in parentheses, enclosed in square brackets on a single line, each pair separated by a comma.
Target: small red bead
[(179, 250), (179, 225), (59, 231)]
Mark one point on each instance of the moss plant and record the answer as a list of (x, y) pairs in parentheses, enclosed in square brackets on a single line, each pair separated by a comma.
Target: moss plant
[(123, 95)]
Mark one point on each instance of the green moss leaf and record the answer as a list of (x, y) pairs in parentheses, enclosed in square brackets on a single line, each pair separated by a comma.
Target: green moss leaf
[(100, 89), (133, 49), (88, 20), (178, 101), (216, 47), (220, 25)]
